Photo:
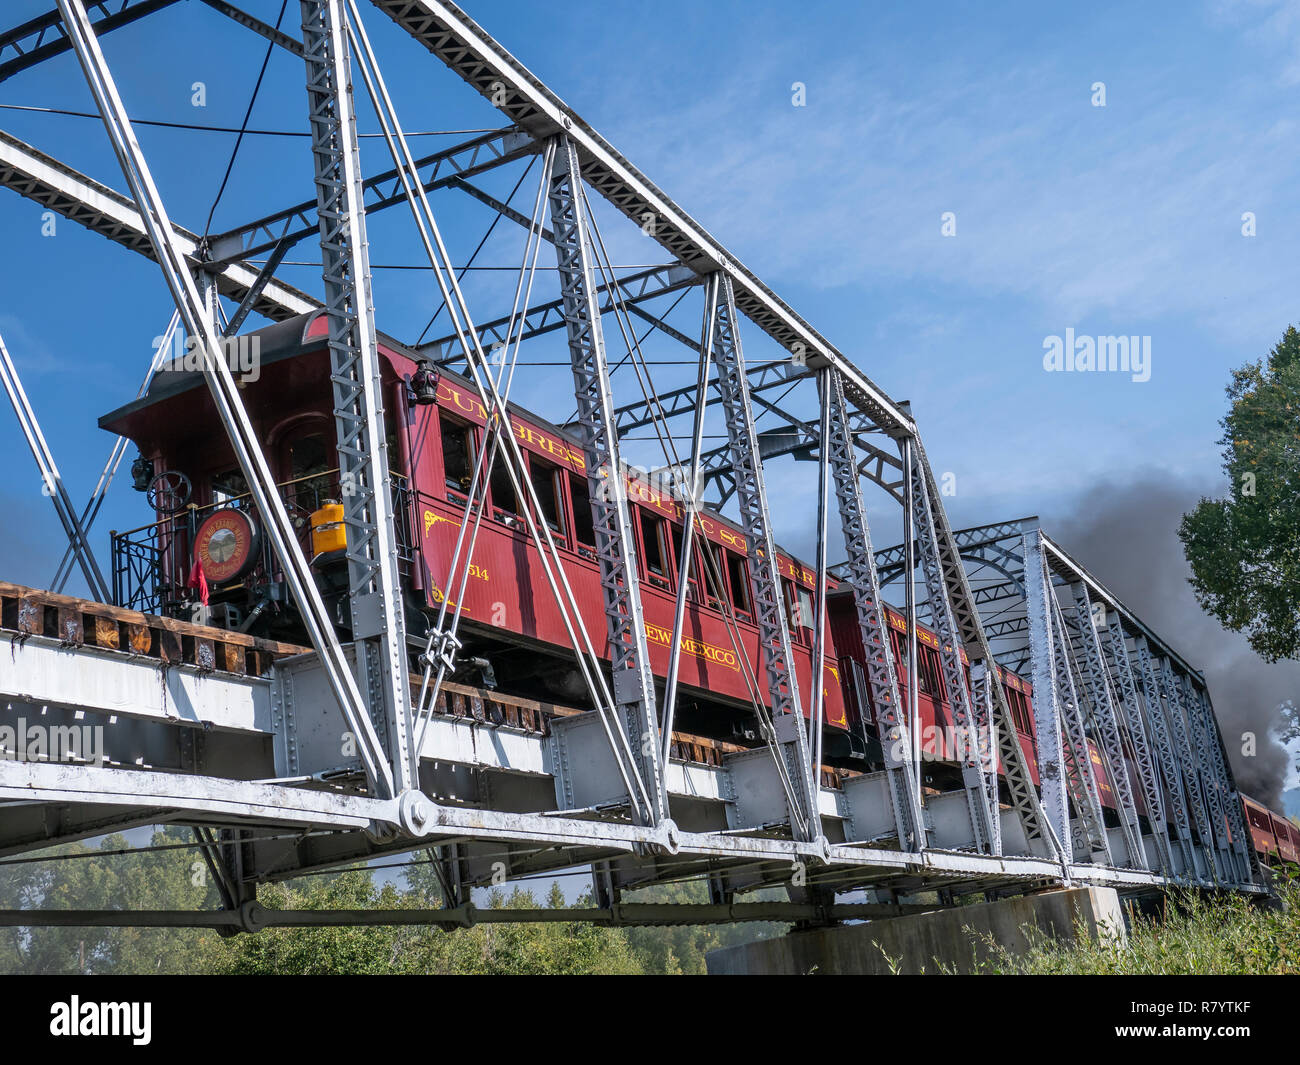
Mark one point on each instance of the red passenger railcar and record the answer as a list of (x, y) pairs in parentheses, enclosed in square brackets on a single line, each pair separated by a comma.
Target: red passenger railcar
[(1274, 838), (512, 628)]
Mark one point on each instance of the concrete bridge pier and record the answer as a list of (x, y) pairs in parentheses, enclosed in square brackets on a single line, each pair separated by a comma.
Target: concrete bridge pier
[(952, 939)]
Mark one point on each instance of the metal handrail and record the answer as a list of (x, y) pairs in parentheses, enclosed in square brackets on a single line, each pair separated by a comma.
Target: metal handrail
[(395, 477), (136, 553)]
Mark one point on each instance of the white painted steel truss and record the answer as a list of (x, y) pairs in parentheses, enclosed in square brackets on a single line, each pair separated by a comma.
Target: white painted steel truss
[(257, 758), (1101, 676)]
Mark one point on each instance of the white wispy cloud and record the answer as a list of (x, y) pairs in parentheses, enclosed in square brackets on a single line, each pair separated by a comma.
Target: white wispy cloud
[(1132, 210)]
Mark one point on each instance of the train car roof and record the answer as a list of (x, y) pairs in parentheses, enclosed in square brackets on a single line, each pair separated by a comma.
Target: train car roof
[(287, 340), (278, 342)]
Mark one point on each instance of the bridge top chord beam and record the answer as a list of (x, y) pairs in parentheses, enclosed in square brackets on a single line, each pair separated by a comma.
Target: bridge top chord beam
[(44, 36), (451, 35), (105, 211)]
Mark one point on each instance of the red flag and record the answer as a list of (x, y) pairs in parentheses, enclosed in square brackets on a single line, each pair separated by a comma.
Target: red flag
[(199, 581)]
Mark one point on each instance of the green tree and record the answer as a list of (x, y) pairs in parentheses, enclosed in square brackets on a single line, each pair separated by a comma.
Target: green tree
[(1245, 550), (682, 949), (361, 950), (78, 876), (172, 876), (559, 947)]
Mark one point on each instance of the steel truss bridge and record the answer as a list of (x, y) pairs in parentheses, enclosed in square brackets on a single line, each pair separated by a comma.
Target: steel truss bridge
[(238, 738)]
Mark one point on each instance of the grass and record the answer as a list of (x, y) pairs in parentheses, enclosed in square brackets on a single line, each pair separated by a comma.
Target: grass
[(1196, 935)]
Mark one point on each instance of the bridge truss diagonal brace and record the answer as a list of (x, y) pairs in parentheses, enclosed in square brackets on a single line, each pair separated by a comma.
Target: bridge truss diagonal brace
[(985, 820), (1187, 759), (1246, 858), (1096, 679), (1204, 737), (1247, 862), (374, 592), (51, 480), (634, 691), (1085, 792), (970, 630), (1049, 721), (895, 736), (1116, 649), (1166, 755), (170, 255), (791, 737)]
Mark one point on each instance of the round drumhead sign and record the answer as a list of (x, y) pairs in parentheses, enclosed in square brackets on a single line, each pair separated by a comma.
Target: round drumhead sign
[(226, 545)]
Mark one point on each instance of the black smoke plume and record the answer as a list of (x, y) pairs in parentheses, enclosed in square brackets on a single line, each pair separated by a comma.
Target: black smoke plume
[(1127, 536)]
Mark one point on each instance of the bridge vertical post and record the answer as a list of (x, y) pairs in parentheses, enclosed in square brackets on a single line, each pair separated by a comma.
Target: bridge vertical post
[(1204, 735), (1049, 723), (1147, 771), (959, 613), (909, 576), (1090, 824), (691, 491), (1246, 860), (225, 394), (1187, 760), (950, 643), (984, 680), (1166, 755), (896, 741), (374, 588), (1097, 683), (791, 737), (633, 687)]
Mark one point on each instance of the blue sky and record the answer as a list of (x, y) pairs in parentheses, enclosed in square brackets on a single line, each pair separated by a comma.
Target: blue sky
[(1124, 219)]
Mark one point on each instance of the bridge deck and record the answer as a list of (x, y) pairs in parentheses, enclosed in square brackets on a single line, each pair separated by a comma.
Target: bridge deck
[(189, 724)]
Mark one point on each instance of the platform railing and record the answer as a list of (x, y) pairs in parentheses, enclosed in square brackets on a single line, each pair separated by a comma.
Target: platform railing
[(151, 564)]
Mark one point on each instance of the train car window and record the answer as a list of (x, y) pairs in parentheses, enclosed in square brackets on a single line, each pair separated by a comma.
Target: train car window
[(806, 614), (550, 492), (309, 459), (1019, 710), (584, 532), (799, 611), (654, 549), (228, 486), (678, 533), (505, 504), (458, 453), (395, 467), (930, 677), (900, 657), (713, 576), (738, 579), (924, 680)]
